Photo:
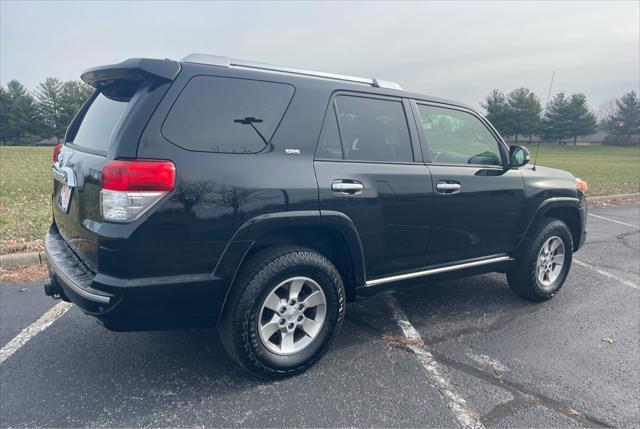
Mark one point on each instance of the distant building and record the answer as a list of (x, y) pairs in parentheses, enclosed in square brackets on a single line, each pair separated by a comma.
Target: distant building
[(592, 139)]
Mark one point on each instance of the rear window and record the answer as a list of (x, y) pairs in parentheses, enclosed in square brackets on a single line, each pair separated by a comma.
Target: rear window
[(217, 114), (372, 129), (99, 123)]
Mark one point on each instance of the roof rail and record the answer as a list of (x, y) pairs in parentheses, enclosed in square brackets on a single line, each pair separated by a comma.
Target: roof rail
[(221, 61)]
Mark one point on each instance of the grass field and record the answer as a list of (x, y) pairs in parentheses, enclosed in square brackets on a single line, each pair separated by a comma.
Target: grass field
[(25, 190), (25, 184), (608, 170)]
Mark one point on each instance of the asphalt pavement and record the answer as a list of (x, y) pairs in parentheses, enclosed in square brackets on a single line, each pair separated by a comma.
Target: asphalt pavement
[(464, 349)]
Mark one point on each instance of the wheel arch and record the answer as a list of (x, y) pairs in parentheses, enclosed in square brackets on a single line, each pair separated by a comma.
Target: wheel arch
[(566, 209), (332, 234)]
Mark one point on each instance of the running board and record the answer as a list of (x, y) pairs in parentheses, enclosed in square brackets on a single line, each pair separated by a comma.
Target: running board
[(432, 271)]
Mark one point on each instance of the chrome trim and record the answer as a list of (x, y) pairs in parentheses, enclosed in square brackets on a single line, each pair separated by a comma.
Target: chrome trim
[(212, 60), (64, 175), (222, 61), (448, 187), (432, 271), (346, 187)]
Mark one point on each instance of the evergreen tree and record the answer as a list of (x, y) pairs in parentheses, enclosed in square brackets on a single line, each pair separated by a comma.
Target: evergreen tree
[(524, 112), (49, 102), (624, 117), (498, 112), (581, 121), (23, 119), (4, 116), (555, 124)]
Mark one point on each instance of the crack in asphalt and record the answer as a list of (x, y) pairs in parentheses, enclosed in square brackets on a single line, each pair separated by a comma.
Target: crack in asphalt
[(521, 395), (502, 321)]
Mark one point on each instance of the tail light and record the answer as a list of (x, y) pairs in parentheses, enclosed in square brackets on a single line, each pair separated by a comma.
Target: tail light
[(131, 187), (56, 152)]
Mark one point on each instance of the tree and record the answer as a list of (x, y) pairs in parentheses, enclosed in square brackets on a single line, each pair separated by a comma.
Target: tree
[(581, 121), (22, 118), (623, 117), (49, 102), (498, 112), (524, 112), (555, 123), (4, 116)]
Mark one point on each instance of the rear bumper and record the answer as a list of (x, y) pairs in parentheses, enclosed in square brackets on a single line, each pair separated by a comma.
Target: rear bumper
[(73, 278), (132, 304)]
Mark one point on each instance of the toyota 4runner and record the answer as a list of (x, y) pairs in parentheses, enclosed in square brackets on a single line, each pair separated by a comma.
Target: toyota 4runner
[(260, 199)]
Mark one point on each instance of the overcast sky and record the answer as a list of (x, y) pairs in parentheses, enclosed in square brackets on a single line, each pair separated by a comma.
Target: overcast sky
[(457, 50)]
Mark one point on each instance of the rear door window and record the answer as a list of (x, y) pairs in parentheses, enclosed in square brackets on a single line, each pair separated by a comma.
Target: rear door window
[(99, 123), (330, 146), (373, 129), (218, 114)]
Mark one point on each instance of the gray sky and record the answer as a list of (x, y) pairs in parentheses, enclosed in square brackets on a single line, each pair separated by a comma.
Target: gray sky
[(457, 50)]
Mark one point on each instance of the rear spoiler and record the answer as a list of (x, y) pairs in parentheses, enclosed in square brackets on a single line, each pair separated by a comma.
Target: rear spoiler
[(133, 69)]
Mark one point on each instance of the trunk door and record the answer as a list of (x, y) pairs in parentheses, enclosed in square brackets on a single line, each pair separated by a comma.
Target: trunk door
[(107, 127), (76, 191)]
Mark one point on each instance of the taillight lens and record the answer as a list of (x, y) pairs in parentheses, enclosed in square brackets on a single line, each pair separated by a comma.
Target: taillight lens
[(131, 187), (139, 175), (56, 152)]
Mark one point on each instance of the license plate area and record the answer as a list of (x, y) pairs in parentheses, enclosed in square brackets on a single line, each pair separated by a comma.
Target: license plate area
[(64, 197)]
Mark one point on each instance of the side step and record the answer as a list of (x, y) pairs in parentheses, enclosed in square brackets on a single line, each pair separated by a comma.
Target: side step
[(438, 270)]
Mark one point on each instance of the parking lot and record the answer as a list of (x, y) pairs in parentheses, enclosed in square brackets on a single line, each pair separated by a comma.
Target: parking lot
[(447, 354)]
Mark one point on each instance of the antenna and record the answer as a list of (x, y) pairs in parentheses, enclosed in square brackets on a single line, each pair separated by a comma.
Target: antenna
[(544, 113)]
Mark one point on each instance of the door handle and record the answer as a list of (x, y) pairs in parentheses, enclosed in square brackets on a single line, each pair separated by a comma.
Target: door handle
[(347, 188), (448, 187)]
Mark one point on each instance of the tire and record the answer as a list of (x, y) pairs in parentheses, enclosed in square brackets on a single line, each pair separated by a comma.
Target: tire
[(525, 280), (261, 281)]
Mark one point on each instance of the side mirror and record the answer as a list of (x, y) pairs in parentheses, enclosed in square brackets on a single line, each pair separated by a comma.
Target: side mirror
[(518, 156)]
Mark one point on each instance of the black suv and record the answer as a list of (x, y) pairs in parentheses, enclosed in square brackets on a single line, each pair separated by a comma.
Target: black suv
[(261, 199)]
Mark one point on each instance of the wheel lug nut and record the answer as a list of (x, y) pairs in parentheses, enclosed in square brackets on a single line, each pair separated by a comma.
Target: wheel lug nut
[(292, 302), (300, 307), (291, 325), (282, 321), (283, 309), (300, 318)]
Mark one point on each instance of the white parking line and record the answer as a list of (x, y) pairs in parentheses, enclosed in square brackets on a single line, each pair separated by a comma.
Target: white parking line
[(464, 413), (32, 330), (607, 274), (614, 221)]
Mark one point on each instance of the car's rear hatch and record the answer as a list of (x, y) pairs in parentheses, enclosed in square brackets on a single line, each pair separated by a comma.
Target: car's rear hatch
[(107, 127)]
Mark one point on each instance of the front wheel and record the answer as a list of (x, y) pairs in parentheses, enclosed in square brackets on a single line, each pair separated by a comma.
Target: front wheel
[(542, 267), (283, 311)]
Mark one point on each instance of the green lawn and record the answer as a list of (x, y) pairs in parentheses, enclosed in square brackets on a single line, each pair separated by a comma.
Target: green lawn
[(608, 170), (25, 183), (25, 189)]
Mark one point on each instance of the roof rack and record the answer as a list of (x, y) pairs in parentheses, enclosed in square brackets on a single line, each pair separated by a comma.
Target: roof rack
[(221, 61)]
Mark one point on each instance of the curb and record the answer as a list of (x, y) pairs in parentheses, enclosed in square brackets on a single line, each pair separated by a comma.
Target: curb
[(16, 260), (610, 197)]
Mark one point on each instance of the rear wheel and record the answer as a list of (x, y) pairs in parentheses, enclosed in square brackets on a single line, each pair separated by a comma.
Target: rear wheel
[(283, 312), (542, 267)]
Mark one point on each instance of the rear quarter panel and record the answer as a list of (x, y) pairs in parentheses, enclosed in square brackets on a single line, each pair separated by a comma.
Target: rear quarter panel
[(216, 193)]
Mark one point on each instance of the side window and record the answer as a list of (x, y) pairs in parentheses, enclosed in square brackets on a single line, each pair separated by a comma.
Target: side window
[(330, 147), (373, 129), (457, 137), (219, 114)]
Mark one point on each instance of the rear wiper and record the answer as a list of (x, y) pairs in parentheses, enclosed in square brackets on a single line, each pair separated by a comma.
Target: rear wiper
[(250, 120)]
